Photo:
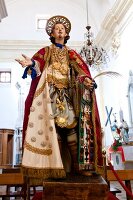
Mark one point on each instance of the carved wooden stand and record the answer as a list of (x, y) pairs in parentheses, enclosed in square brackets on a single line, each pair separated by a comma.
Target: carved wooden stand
[(76, 188)]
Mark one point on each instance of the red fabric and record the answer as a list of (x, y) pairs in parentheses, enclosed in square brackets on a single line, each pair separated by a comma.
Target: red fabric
[(74, 56), (120, 149), (111, 196), (120, 181), (38, 196), (39, 56)]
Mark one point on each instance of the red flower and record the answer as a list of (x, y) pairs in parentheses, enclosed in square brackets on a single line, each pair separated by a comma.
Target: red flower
[(116, 144)]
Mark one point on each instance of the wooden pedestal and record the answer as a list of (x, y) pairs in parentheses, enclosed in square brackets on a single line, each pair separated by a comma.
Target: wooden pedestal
[(76, 188)]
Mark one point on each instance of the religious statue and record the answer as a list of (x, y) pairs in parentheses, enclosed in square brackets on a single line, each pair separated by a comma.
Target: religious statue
[(61, 121), (124, 131), (116, 131)]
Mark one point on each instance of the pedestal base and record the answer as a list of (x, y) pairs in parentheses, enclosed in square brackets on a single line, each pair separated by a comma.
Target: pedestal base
[(76, 188)]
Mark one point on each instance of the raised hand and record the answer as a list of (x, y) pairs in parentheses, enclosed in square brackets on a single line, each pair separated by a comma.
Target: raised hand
[(25, 62)]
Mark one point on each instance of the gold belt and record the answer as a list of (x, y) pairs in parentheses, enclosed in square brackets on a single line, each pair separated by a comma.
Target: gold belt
[(59, 83)]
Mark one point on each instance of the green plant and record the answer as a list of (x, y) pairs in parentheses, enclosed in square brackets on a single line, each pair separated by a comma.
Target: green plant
[(116, 144)]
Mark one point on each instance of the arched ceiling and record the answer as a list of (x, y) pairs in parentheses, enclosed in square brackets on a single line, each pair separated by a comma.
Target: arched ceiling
[(104, 16), (94, 11)]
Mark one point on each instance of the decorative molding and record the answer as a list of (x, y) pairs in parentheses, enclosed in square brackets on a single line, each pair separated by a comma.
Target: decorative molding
[(11, 1), (10, 49), (21, 44), (115, 22)]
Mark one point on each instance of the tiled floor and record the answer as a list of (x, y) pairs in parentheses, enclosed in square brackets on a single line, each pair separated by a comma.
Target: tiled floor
[(122, 195)]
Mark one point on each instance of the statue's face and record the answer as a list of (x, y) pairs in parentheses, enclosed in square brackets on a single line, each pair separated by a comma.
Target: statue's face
[(59, 31)]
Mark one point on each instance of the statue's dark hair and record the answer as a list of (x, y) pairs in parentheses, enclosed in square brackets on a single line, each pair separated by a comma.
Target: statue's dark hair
[(52, 39)]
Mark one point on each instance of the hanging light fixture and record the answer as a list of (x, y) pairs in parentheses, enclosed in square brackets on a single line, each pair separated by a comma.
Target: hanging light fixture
[(95, 56)]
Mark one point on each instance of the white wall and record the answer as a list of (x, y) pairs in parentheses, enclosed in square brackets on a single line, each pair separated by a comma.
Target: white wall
[(9, 97), (18, 35), (115, 89), (8, 102), (20, 23)]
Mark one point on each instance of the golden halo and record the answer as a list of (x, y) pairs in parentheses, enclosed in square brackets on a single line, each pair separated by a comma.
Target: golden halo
[(57, 19)]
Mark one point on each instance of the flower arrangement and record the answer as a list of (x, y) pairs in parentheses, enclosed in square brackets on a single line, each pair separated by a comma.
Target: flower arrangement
[(116, 144)]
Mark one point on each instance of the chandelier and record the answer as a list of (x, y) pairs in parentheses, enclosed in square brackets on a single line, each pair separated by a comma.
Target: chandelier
[(96, 57)]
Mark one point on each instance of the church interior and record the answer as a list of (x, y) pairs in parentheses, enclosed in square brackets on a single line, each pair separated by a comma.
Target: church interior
[(101, 30)]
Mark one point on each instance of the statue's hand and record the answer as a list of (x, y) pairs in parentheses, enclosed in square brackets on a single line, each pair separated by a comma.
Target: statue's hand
[(25, 62), (90, 84)]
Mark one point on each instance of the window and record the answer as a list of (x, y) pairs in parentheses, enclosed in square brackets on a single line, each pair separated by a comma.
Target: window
[(41, 21), (5, 77)]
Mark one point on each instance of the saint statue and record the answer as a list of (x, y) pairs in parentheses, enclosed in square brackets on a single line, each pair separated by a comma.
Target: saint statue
[(61, 128)]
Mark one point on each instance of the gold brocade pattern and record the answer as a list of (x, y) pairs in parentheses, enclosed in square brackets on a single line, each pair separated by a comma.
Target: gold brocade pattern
[(59, 55), (58, 68), (59, 83), (42, 173), (38, 150)]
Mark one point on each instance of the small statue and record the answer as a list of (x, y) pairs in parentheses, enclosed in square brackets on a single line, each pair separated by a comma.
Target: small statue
[(124, 131), (116, 130)]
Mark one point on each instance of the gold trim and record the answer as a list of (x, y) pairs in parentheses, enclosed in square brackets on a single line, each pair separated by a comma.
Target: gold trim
[(43, 173), (40, 90), (59, 55), (99, 169), (57, 19), (59, 83), (76, 67), (93, 120), (69, 126), (47, 54), (46, 57), (37, 150)]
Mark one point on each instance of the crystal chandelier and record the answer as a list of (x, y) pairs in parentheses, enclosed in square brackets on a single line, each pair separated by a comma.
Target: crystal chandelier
[(96, 57)]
